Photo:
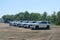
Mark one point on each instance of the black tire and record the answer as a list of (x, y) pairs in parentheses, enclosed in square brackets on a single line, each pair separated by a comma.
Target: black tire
[(31, 28), (48, 27), (18, 25), (37, 27), (25, 27)]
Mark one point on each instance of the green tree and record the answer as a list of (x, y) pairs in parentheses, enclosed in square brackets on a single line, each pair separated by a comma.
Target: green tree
[(26, 15), (48, 18), (58, 18), (8, 18), (44, 16), (53, 18), (34, 16), (19, 16)]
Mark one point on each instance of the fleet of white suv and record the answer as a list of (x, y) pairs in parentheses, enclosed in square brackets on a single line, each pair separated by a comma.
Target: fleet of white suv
[(31, 24)]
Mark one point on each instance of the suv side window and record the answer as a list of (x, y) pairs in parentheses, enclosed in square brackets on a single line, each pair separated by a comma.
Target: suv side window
[(34, 22), (43, 22), (48, 22)]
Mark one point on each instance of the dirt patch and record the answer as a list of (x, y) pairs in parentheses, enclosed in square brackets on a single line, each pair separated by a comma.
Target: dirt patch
[(14, 33)]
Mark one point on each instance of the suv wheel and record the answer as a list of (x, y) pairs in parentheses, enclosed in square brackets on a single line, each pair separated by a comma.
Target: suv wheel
[(31, 28), (37, 27), (48, 27)]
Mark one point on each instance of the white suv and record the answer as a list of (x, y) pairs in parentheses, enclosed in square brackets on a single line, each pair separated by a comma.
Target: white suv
[(40, 24), (27, 25), (22, 23)]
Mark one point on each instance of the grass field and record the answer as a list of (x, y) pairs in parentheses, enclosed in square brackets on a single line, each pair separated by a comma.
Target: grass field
[(15, 33)]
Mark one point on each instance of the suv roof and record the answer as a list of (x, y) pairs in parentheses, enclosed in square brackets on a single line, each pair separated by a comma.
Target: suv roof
[(44, 22)]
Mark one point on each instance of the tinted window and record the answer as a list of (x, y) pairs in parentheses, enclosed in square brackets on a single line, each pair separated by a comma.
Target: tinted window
[(43, 22), (33, 22), (48, 22), (26, 22)]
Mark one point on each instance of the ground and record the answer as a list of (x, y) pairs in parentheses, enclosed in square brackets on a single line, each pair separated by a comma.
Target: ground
[(15, 33)]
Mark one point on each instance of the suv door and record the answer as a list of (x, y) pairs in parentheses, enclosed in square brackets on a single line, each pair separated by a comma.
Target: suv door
[(42, 24)]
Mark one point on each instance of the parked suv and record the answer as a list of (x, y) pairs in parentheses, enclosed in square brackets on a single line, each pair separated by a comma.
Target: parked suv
[(11, 23), (27, 25), (40, 24), (22, 23), (14, 23)]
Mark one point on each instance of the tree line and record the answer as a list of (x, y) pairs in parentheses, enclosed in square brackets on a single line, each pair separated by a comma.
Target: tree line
[(54, 18)]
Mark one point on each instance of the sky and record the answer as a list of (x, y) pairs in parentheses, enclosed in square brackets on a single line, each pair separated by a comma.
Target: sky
[(15, 6)]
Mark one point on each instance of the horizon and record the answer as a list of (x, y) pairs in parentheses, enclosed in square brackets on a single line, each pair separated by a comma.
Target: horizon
[(15, 6)]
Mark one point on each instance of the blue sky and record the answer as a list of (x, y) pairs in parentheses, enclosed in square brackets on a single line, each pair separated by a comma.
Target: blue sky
[(16, 6)]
